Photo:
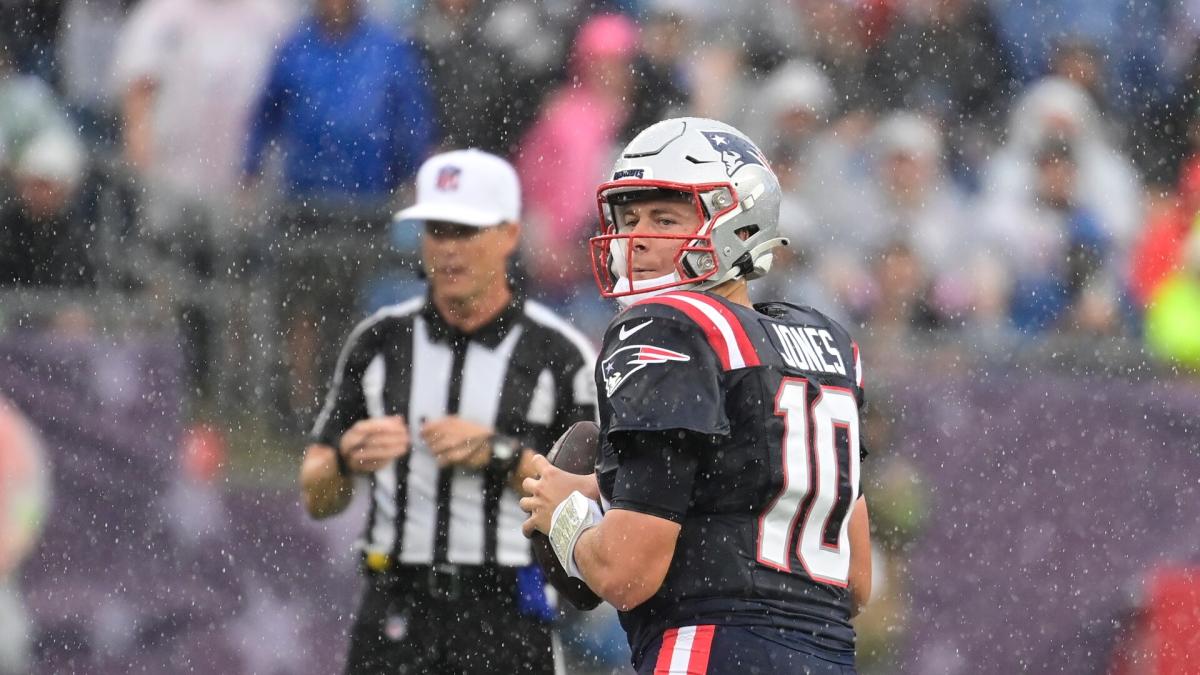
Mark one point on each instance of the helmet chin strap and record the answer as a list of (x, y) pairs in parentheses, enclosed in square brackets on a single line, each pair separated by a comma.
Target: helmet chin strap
[(623, 285)]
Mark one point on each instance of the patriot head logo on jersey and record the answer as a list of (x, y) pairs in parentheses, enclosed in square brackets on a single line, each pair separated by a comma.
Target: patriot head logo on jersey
[(628, 360), (736, 151)]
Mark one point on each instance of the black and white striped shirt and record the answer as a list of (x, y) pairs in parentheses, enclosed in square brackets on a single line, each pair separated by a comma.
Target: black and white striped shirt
[(527, 374)]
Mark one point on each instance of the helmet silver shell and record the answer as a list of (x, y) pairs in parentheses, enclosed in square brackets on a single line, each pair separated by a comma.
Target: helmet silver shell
[(736, 195)]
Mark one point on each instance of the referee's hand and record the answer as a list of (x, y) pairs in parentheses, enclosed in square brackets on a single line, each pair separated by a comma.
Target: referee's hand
[(454, 440), (372, 443)]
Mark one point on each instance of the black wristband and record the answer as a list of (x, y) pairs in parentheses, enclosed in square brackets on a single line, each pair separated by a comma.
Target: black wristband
[(506, 455), (343, 467)]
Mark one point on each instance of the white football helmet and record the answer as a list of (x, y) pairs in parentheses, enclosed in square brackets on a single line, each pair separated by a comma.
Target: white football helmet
[(733, 188)]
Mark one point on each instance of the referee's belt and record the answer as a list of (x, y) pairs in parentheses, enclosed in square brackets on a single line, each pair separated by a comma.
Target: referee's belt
[(445, 581)]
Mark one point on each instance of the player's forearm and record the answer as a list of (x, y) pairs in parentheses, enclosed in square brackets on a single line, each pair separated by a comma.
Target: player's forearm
[(326, 492), (860, 557), (612, 568)]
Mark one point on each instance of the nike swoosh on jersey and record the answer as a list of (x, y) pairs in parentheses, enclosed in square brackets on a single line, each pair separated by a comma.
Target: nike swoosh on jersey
[(625, 331)]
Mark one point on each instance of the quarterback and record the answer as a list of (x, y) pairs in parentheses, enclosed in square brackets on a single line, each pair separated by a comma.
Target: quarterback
[(725, 519)]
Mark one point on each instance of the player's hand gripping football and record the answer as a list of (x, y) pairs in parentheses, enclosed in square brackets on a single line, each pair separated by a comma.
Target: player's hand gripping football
[(454, 440), (372, 443), (547, 489)]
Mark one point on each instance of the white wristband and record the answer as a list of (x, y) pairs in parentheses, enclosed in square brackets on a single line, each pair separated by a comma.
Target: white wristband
[(574, 516)]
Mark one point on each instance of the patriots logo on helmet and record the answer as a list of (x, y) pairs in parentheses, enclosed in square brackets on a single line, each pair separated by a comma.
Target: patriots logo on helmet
[(736, 152), (447, 178), (629, 359)]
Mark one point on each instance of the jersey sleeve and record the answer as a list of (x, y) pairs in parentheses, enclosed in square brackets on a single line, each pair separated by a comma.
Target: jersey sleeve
[(656, 472), (345, 403), (661, 397), (579, 401), (658, 373), (575, 394)]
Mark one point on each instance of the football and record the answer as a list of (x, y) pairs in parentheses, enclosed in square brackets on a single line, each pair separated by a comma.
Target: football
[(574, 452)]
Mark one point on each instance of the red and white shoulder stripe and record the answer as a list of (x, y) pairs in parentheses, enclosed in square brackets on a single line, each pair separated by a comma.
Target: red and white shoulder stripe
[(724, 331), (685, 651)]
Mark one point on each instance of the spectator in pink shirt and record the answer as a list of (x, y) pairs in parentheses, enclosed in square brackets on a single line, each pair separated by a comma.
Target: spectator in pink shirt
[(568, 149)]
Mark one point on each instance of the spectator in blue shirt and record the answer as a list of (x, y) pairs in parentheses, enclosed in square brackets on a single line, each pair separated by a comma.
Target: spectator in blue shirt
[(1065, 280), (348, 105)]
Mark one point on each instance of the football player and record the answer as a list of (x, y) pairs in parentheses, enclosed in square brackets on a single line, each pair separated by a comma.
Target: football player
[(725, 519)]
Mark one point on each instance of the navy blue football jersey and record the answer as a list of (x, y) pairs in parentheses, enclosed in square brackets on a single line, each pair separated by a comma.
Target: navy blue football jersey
[(742, 425)]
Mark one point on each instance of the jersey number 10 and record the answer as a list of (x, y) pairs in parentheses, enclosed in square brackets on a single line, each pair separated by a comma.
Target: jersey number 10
[(820, 483)]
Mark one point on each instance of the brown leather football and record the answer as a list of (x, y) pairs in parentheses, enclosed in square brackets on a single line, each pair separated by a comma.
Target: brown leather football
[(573, 452)]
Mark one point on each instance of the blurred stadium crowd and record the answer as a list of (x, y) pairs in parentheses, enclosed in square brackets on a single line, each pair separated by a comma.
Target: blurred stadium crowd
[(988, 175), (964, 179)]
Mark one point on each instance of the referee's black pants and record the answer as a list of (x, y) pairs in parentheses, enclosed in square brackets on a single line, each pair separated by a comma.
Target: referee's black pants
[(465, 622)]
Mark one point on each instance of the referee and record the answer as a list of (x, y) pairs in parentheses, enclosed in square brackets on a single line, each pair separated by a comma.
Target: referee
[(438, 405)]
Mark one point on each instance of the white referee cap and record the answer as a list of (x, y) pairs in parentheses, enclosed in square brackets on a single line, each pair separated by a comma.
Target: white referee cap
[(466, 187)]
